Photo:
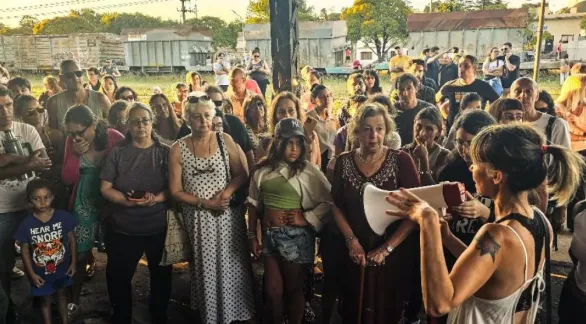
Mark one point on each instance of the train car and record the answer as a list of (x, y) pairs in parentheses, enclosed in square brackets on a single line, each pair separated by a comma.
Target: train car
[(36, 53), (321, 43), (475, 32), (168, 50)]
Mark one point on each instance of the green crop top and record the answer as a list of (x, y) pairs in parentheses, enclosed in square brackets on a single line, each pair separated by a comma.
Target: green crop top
[(279, 194)]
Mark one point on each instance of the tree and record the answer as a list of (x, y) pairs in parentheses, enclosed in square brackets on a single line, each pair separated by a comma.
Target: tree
[(485, 4), (223, 35), (26, 25), (259, 12), (64, 25), (332, 16), (446, 6), (114, 23), (369, 21)]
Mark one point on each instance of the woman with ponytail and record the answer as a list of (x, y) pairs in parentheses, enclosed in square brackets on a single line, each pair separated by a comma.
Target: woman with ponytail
[(138, 206), (88, 142), (506, 257)]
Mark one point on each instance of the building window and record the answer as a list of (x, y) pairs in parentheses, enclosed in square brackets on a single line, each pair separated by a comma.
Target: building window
[(567, 38), (365, 55)]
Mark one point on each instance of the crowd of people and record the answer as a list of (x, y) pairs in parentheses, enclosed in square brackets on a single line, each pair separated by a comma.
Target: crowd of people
[(281, 182)]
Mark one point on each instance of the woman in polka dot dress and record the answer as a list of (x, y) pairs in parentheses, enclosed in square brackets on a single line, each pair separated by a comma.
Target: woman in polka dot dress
[(204, 172)]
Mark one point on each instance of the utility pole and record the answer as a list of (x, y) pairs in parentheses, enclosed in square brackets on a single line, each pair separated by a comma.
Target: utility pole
[(184, 10), (538, 43), (284, 43)]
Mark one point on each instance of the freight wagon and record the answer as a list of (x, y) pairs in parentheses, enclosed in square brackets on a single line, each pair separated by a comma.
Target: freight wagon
[(321, 44), (475, 32), (45, 52), (168, 50)]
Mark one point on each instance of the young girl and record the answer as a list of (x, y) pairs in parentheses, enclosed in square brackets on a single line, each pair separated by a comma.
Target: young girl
[(428, 155), (292, 198), (48, 248)]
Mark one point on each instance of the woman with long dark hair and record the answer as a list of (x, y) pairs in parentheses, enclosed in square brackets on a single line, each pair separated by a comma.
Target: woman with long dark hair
[(168, 125), (109, 87), (118, 114), (289, 185), (507, 256), (256, 120), (126, 94), (88, 142), (138, 213), (372, 83)]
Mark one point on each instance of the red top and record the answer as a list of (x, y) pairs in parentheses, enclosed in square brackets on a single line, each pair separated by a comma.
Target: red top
[(253, 86)]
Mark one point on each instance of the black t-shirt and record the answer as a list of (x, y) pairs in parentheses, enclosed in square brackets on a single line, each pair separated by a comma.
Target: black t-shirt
[(455, 90), (433, 71), (406, 118), (447, 73), (95, 88), (510, 76), (238, 132)]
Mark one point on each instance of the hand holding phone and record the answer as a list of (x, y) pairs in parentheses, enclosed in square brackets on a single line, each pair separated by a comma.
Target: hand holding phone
[(136, 195)]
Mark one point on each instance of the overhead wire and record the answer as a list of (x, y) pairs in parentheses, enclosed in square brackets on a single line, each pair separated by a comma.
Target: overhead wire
[(100, 7)]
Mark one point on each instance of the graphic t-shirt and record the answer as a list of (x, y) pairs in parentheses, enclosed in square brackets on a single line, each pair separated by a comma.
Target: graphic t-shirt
[(455, 90), (12, 191), (49, 248)]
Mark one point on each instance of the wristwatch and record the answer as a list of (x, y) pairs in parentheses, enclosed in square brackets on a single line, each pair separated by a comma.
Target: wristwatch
[(390, 248)]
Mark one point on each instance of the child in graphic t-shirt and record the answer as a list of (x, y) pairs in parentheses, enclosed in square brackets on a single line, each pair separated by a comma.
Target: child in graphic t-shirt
[(48, 248)]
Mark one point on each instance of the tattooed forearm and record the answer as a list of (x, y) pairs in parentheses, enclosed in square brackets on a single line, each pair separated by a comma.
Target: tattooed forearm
[(487, 245)]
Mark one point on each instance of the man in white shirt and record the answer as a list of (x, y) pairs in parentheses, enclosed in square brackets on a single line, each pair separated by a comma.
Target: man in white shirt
[(13, 183), (221, 70)]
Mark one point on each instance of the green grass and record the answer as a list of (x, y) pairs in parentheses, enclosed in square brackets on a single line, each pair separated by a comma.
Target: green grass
[(143, 85)]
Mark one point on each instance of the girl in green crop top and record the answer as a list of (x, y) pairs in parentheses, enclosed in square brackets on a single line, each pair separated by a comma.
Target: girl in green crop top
[(285, 181)]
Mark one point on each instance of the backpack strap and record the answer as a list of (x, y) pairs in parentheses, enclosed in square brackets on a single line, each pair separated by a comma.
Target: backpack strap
[(549, 128)]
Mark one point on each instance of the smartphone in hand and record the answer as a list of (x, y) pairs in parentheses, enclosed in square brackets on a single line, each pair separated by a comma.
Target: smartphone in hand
[(137, 195)]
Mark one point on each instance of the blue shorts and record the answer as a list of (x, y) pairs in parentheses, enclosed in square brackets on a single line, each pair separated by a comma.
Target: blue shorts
[(51, 286), (292, 243)]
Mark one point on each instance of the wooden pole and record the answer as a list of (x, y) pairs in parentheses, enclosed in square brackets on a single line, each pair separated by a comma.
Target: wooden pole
[(284, 44), (538, 42)]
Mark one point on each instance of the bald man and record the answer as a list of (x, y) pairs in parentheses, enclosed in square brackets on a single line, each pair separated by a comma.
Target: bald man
[(71, 77), (555, 129)]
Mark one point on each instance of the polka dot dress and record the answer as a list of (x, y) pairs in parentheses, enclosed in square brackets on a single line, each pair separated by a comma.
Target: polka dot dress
[(221, 274)]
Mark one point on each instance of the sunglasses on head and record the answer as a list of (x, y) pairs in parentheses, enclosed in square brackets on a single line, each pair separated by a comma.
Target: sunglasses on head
[(39, 110), (71, 75), (194, 99)]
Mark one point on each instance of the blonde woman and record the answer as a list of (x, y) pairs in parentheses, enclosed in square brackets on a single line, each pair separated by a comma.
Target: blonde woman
[(570, 106)]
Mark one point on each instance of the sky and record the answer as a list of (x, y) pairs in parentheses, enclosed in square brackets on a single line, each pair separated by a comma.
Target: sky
[(225, 9)]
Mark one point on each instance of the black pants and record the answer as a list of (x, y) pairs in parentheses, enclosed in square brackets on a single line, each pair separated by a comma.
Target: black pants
[(124, 252), (572, 306), (262, 84)]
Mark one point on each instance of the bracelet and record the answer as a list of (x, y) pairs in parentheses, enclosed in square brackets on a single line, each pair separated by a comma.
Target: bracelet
[(428, 172), (350, 239), (251, 234), (199, 204)]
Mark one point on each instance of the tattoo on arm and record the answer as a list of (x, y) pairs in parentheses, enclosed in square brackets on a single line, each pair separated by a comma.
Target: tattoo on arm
[(487, 245)]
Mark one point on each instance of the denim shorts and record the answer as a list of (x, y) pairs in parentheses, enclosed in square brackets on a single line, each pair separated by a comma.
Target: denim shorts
[(294, 244)]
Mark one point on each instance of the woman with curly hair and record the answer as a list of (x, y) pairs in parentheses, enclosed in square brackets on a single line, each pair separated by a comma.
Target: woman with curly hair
[(255, 119)]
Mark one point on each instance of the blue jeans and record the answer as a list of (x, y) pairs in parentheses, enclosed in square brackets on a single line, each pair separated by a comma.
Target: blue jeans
[(294, 244)]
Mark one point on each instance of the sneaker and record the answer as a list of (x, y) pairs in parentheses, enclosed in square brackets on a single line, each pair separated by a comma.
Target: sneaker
[(17, 273)]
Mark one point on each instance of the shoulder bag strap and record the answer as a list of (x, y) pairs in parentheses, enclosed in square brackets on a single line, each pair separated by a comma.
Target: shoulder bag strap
[(547, 268), (549, 128), (221, 147)]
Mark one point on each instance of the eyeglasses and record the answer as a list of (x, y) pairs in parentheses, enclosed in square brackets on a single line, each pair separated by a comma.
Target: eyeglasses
[(218, 103), (194, 99), (504, 49), (77, 134), (219, 126), (32, 112), (127, 98), (71, 75), (462, 144), (138, 122)]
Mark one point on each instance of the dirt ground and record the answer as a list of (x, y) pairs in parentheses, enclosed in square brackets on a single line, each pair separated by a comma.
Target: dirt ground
[(95, 305)]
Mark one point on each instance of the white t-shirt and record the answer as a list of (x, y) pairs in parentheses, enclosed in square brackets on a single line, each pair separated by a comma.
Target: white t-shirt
[(13, 191), (560, 132), (222, 80)]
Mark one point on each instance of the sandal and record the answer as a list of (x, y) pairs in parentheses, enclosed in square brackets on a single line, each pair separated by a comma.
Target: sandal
[(72, 309), (90, 270)]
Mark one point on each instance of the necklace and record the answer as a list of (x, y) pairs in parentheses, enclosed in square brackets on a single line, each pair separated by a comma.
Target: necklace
[(372, 160), (209, 168)]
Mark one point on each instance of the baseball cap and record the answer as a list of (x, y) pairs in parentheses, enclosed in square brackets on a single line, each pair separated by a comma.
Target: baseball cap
[(289, 127)]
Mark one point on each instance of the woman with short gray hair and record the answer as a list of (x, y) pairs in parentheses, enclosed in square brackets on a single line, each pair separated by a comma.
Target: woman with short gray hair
[(204, 172)]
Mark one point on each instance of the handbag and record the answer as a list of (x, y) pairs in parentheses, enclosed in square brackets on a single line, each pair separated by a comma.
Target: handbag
[(240, 195), (177, 244)]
